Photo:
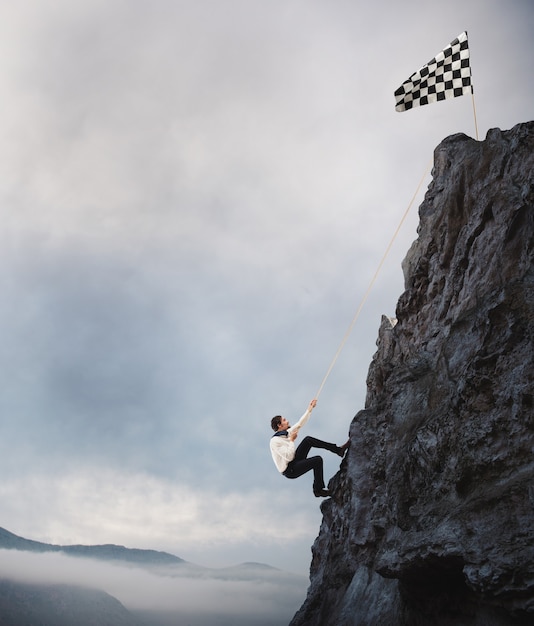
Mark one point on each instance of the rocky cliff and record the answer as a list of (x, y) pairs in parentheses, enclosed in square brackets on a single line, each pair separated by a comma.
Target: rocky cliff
[(432, 521)]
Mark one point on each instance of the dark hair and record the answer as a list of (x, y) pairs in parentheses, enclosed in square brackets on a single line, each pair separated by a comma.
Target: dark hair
[(275, 422)]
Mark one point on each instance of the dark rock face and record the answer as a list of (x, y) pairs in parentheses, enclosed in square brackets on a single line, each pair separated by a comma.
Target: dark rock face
[(432, 521)]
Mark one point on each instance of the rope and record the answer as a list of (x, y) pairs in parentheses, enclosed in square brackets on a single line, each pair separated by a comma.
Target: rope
[(373, 280)]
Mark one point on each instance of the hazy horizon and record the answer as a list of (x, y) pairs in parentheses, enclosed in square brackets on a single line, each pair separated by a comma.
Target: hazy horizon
[(174, 590)]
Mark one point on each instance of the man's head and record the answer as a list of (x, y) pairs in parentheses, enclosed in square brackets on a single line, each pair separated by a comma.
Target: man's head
[(279, 423)]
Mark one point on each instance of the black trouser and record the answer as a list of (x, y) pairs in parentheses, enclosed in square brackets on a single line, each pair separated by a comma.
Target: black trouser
[(301, 464)]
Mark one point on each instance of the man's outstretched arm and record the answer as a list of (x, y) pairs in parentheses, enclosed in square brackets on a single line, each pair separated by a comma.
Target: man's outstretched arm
[(303, 419)]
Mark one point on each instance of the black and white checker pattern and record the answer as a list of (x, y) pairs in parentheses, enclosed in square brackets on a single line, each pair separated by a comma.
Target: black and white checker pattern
[(447, 75)]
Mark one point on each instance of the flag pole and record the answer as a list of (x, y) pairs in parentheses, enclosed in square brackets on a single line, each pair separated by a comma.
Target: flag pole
[(474, 113)]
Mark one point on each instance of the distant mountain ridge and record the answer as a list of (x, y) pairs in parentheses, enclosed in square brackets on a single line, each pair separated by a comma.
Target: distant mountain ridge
[(186, 593), (108, 552), (23, 604), (151, 559)]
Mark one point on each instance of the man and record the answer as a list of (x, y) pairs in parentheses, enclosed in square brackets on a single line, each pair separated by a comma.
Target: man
[(292, 462)]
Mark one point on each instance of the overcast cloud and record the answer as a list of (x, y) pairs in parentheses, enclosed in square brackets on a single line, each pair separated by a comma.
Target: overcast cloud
[(194, 198)]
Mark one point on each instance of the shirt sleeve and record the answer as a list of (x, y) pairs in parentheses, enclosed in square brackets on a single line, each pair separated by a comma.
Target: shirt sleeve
[(301, 421)]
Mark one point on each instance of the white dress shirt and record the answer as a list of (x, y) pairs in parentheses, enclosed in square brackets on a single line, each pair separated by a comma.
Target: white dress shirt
[(282, 448)]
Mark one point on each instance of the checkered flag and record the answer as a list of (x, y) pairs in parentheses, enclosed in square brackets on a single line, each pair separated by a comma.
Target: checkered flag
[(447, 75)]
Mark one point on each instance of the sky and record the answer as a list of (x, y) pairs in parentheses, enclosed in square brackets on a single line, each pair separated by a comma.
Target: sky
[(194, 198)]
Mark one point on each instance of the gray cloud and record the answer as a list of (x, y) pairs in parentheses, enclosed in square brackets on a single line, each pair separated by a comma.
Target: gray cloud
[(194, 199)]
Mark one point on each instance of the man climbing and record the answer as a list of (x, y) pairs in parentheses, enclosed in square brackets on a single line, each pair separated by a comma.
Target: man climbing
[(292, 462)]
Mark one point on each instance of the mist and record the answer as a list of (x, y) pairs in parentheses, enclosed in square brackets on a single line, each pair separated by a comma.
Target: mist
[(187, 590)]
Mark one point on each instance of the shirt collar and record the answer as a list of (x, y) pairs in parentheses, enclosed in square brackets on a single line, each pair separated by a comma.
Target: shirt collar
[(280, 433)]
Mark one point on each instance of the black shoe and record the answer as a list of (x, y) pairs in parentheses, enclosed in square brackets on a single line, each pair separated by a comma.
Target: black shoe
[(342, 449), (322, 493)]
